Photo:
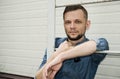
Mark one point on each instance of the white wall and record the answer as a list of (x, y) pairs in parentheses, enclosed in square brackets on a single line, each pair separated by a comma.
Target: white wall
[(23, 35)]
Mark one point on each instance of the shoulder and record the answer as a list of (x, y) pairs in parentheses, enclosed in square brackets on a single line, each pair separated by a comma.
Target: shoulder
[(58, 41), (102, 44)]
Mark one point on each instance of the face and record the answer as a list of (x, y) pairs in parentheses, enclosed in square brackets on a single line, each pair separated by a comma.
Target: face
[(75, 24)]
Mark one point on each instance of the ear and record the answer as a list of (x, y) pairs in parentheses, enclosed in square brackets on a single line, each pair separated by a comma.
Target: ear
[(88, 24)]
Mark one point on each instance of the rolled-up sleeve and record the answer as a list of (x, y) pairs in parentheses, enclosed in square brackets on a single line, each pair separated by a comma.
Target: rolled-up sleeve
[(102, 44)]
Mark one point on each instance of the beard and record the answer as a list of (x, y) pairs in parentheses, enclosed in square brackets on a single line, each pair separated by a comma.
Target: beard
[(76, 38)]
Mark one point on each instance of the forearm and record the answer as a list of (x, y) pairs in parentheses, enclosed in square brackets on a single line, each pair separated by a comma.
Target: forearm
[(84, 49), (39, 73), (55, 54), (63, 47)]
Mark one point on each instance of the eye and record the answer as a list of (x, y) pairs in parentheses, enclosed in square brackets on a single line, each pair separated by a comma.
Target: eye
[(78, 21), (67, 22)]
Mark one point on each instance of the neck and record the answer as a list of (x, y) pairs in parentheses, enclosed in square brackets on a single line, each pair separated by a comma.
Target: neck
[(73, 43)]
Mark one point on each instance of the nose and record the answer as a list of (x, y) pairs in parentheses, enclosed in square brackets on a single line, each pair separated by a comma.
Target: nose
[(72, 26)]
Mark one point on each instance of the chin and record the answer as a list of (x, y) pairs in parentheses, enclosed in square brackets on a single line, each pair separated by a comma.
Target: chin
[(73, 37)]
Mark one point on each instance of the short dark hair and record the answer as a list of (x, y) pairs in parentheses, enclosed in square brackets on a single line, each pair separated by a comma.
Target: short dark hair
[(75, 7)]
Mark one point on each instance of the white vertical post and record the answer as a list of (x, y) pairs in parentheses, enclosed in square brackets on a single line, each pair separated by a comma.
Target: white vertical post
[(51, 27)]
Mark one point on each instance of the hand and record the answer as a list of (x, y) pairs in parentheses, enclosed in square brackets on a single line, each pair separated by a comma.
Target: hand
[(54, 70), (39, 74), (53, 67)]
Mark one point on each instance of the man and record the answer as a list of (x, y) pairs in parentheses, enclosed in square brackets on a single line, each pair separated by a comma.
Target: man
[(75, 57)]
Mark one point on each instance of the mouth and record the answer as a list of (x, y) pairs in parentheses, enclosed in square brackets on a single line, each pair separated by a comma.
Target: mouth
[(73, 32)]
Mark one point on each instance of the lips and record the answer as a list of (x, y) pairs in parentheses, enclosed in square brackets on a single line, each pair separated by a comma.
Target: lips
[(73, 33)]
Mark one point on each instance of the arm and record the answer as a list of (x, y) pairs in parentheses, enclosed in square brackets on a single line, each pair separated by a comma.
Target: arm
[(63, 46), (84, 49), (40, 72)]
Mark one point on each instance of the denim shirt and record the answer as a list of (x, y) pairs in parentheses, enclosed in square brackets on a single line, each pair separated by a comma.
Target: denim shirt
[(84, 67)]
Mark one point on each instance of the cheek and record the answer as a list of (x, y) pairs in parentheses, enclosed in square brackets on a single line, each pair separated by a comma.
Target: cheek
[(66, 28), (82, 29)]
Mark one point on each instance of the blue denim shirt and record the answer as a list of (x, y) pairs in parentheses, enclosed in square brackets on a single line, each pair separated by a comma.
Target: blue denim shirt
[(84, 67)]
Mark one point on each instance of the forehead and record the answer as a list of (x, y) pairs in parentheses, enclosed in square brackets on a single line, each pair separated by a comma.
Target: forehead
[(76, 14)]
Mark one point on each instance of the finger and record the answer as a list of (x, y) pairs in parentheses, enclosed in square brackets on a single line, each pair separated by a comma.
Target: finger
[(52, 75), (47, 71), (44, 77)]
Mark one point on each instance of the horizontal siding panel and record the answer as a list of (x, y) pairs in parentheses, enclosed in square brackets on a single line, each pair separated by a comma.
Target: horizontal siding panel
[(61, 27), (24, 22), (115, 47), (22, 30), (18, 69), (112, 38), (23, 35), (23, 15), (23, 67), (105, 77), (59, 21), (21, 45), (22, 53), (60, 35), (88, 1), (109, 70), (111, 61), (19, 60), (68, 2), (24, 7), (103, 8), (108, 18), (11, 2), (26, 38), (100, 28)]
